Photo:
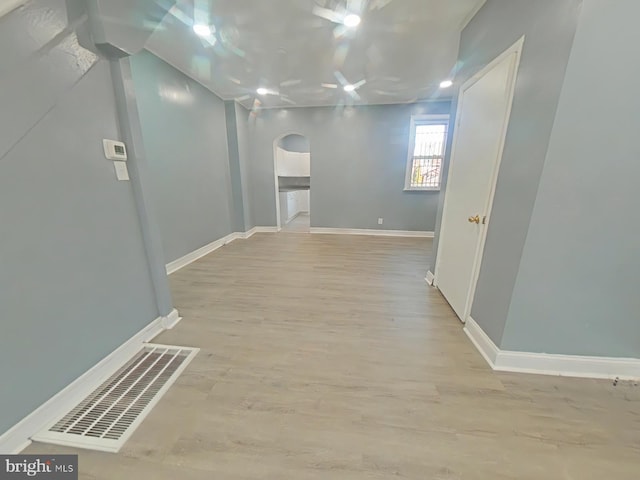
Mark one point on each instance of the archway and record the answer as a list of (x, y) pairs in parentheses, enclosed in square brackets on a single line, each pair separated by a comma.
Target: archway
[(292, 168)]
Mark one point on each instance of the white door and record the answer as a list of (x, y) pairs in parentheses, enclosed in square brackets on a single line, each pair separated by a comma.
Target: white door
[(483, 112)]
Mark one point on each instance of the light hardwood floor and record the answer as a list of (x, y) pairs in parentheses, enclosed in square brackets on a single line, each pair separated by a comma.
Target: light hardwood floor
[(328, 357), (300, 224)]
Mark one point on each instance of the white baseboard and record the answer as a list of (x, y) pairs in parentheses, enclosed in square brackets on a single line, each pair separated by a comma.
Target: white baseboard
[(481, 340), (199, 253), (189, 258), (366, 231), (18, 437), (171, 320), (430, 277), (255, 230), (551, 363)]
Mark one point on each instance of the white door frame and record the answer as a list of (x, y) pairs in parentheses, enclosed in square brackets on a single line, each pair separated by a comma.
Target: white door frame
[(275, 173), (516, 49)]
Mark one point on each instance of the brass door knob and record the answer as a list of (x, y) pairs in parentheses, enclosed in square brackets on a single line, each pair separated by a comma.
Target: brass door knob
[(475, 219)]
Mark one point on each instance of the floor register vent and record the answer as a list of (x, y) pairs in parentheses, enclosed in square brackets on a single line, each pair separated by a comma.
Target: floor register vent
[(110, 414)]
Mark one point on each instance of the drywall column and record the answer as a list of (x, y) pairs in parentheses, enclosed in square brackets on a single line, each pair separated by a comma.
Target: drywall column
[(236, 202), (117, 40), (131, 134)]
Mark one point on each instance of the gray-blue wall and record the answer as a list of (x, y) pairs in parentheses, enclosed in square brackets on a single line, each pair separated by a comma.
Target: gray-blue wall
[(577, 286), (185, 136), (295, 143), (358, 161), (549, 27), (237, 199), (244, 155), (74, 279)]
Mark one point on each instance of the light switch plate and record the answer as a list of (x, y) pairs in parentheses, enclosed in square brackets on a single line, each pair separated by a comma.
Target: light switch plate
[(122, 173)]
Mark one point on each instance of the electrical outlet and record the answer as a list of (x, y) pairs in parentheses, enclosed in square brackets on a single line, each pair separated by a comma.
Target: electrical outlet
[(380, 220)]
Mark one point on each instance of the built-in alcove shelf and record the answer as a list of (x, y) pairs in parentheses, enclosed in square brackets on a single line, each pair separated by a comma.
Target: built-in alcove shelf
[(286, 184)]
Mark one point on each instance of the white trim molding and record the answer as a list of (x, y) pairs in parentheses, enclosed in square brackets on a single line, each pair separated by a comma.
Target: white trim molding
[(366, 231), (255, 230), (171, 320), (430, 277), (550, 363), (18, 437), (189, 258), (199, 253)]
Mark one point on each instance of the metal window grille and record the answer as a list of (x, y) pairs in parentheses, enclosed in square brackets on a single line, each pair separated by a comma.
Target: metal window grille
[(428, 154)]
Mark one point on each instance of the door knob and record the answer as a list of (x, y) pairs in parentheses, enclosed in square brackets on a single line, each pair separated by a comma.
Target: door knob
[(475, 219)]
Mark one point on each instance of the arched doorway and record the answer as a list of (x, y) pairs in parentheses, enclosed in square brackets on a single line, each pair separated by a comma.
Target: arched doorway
[(292, 167)]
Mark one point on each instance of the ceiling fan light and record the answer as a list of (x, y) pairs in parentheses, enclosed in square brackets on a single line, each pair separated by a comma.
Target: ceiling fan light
[(352, 20), (446, 83), (262, 91), (349, 88), (202, 30)]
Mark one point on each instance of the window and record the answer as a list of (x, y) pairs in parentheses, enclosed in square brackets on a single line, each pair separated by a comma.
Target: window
[(426, 152)]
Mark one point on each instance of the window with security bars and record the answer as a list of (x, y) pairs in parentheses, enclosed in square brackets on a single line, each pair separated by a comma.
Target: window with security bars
[(426, 153)]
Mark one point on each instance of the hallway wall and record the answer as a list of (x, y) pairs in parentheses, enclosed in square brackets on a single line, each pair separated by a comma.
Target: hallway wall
[(185, 136), (74, 277)]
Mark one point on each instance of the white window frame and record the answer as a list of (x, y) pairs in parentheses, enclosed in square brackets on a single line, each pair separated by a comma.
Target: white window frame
[(423, 120)]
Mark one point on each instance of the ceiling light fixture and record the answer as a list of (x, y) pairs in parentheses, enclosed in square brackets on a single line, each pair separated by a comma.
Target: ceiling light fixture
[(446, 83), (352, 20), (262, 91), (202, 30), (349, 88)]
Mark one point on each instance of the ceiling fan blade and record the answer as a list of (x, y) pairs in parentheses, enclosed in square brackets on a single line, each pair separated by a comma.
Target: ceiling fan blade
[(330, 15), (329, 85), (360, 83), (291, 83), (201, 12), (354, 95), (341, 78), (385, 93), (378, 4), (181, 16), (242, 98)]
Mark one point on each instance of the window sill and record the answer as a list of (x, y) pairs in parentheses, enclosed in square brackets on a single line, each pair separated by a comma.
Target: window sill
[(421, 190)]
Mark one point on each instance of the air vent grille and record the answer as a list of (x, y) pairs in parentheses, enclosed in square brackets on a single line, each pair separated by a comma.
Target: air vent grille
[(109, 415)]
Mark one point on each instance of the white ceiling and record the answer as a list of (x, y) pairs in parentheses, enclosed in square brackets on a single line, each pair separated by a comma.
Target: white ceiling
[(402, 48)]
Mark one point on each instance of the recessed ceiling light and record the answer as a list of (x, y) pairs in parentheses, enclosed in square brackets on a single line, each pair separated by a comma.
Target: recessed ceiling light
[(202, 30), (262, 91), (352, 20), (349, 88), (446, 83)]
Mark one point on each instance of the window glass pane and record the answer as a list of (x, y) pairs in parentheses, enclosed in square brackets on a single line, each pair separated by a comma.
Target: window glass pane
[(426, 173), (427, 155), (429, 140)]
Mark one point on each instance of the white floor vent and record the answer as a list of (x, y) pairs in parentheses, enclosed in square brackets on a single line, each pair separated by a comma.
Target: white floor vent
[(111, 413)]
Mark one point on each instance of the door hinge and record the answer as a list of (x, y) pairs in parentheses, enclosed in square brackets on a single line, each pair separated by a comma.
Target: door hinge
[(484, 220)]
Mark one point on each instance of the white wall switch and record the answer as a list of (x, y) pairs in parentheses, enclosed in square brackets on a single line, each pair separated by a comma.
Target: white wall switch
[(122, 173), (114, 150), (380, 220)]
